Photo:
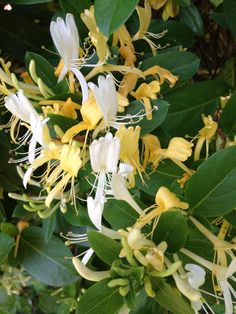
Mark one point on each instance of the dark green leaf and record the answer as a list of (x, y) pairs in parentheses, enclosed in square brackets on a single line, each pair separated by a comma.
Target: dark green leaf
[(177, 33), (187, 105), (158, 115), (6, 244), (172, 228), (230, 14), (227, 119), (216, 2), (192, 18), (21, 34), (166, 174), (105, 248), (62, 121), (110, 15), (9, 229), (119, 214), (183, 3), (49, 225), (215, 183), (231, 217), (100, 299), (170, 298), (28, 1), (46, 261), (77, 219)]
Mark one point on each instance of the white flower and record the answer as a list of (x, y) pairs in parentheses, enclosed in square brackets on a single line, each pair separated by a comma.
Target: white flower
[(104, 153), (106, 98), (95, 210), (19, 105), (65, 37), (196, 275)]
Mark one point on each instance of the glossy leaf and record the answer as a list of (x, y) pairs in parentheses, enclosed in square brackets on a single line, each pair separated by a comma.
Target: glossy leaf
[(230, 12), (172, 228), (105, 248), (192, 18), (6, 244), (110, 15), (166, 174), (49, 225), (170, 298), (227, 119), (46, 261), (158, 114), (119, 214), (100, 299), (187, 105), (28, 1), (215, 184)]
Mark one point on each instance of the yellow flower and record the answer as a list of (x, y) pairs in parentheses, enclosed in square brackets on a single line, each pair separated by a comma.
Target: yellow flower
[(145, 16), (98, 39), (129, 150), (151, 146), (170, 8), (205, 135), (165, 200), (161, 74), (178, 149), (66, 108), (145, 92)]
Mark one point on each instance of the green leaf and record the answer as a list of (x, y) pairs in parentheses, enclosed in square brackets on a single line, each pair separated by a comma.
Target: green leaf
[(80, 219), (100, 299), (170, 298), (49, 225), (230, 13), (110, 15), (8, 303), (227, 120), (215, 184), (62, 121), (166, 174), (28, 1), (46, 261), (76, 7), (44, 69), (172, 228), (183, 3), (6, 244), (105, 248), (158, 115), (216, 2), (119, 214), (192, 18), (21, 34), (183, 64), (177, 33), (187, 105)]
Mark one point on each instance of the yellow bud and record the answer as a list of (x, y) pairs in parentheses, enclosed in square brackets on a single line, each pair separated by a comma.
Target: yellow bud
[(167, 200), (178, 149)]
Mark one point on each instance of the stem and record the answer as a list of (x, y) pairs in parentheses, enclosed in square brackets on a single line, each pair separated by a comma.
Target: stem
[(182, 166)]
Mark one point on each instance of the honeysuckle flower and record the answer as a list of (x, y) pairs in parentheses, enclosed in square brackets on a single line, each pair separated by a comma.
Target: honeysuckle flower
[(178, 151), (98, 39), (171, 9), (165, 200), (65, 37), (205, 135), (222, 274), (21, 108), (87, 273), (145, 16), (161, 75), (145, 93), (129, 150)]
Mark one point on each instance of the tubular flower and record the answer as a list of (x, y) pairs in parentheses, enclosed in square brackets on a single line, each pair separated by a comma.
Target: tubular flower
[(223, 275), (65, 37), (66, 108), (129, 150), (171, 9), (151, 146), (162, 75), (104, 156), (145, 93), (145, 16), (205, 135), (98, 39), (22, 110), (165, 200)]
